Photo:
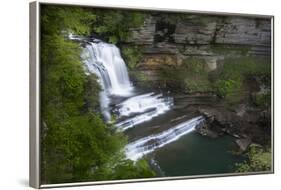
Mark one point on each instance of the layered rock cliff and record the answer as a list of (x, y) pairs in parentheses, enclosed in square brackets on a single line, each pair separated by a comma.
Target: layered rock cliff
[(170, 38)]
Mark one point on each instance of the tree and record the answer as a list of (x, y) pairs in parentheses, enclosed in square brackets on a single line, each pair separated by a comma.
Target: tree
[(76, 143)]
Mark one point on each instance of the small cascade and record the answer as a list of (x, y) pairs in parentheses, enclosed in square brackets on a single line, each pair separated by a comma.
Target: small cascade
[(143, 146), (142, 108), (142, 103)]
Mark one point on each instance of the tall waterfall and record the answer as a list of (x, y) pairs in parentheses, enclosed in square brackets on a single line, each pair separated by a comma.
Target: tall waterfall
[(105, 61), (143, 146)]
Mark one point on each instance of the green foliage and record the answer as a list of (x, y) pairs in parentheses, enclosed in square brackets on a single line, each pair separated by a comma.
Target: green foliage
[(240, 68), (226, 87), (198, 85), (115, 25), (141, 80), (190, 76), (62, 75), (126, 169), (58, 19), (92, 89), (258, 160), (196, 79), (76, 144), (131, 170), (262, 100), (228, 82), (195, 65), (132, 56)]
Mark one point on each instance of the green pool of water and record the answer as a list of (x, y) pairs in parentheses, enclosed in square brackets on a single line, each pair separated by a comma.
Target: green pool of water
[(194, 154)]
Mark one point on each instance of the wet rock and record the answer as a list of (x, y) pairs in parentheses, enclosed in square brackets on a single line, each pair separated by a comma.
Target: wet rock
[(205, 131), (222, 121), (243, 143), (246, 127)]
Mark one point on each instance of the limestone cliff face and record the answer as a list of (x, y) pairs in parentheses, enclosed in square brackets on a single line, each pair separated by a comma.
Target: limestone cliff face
[(201, 30), (170, 39)]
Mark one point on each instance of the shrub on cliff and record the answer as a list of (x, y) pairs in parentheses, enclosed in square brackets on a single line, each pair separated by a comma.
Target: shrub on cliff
[(132, 56), (114, 25), (258, 160), (226, 87), (229, 81), (262, 100), (190, 76)]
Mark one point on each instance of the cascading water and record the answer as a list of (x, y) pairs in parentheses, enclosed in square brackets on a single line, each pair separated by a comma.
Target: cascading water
[(146, 106), (132, 109), (143, 146), (141, 103), (105, 61)]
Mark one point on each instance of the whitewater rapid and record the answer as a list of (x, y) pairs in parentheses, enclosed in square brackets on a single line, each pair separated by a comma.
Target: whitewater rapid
[(143, 146), (143, 108)]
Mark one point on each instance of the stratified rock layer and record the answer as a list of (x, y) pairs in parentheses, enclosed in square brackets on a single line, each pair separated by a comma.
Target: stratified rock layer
[(212, 38)]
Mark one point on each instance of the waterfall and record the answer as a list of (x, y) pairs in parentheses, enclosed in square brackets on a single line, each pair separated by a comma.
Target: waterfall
[(105, 61), (143, 146)]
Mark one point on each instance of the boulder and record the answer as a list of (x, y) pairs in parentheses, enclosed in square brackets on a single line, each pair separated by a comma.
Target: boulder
[(243, 143)]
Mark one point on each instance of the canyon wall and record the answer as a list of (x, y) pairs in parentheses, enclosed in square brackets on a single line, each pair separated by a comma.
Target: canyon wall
[(169, 39)]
